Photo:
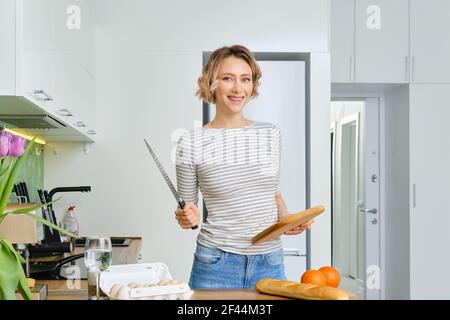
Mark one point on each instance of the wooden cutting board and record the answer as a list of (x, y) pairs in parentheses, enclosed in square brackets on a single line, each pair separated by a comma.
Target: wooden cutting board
[(291, 221)]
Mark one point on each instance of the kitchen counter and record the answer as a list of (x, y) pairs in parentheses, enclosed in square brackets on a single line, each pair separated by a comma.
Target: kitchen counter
[(58, 290)]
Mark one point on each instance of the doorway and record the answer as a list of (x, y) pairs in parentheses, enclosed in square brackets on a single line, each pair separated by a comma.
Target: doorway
[(355, 145)]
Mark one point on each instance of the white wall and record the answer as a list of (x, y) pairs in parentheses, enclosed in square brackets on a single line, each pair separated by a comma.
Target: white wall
[(149, 55), (397, 257)]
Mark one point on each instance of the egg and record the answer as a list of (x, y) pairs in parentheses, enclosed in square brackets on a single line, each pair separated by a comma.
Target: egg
[(114, 290), (124, 293), (172, 282), (132, 285), (162, 282)]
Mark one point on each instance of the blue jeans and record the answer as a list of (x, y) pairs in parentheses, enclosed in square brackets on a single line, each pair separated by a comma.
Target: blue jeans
[(214, 268)]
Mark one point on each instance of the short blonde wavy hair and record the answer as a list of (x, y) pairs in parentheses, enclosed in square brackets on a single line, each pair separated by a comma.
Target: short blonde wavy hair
[(207, 82)]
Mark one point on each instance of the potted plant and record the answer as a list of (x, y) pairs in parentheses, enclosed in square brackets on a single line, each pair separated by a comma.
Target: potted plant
[(13, 152)]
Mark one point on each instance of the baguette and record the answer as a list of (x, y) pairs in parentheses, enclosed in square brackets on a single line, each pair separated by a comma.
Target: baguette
[(297, 290)]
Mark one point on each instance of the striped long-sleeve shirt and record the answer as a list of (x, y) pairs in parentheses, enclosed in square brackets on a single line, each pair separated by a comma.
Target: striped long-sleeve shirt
[(238, 173)]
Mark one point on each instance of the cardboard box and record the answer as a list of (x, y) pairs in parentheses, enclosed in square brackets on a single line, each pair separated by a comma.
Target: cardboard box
[(152, 281), (39, 292)]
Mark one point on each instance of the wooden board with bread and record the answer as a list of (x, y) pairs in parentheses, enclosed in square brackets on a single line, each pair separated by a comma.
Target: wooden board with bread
[(306, 291), (287, 223)]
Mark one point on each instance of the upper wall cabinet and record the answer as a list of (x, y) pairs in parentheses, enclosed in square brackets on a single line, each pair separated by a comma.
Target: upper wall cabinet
[(369, 41), (381, 43), (342, 40), (47, 58), (430, 41)]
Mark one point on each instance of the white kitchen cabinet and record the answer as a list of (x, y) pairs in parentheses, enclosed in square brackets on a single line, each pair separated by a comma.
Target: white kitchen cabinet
[(429, 188), (74, 89), (73, 25), (381, 41), (7, 49), (369, 41), (49, 44), (34, 24), (34, 77), (430, 41), (342, 40)]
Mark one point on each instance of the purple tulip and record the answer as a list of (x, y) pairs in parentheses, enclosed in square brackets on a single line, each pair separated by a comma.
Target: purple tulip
[(17, 146), (4, 143)]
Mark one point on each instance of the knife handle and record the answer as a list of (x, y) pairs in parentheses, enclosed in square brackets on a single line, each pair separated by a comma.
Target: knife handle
[(41, 196), (182, 204)]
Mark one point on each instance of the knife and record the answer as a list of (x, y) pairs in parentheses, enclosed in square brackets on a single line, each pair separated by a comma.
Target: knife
[(44, 211), (49, 207), (25, 190), (180, 201)]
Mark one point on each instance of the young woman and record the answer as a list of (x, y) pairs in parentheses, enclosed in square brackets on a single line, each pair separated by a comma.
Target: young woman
[(234, 162)]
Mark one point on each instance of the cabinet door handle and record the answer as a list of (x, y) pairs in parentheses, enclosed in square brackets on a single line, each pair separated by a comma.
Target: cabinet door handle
[(406, 69), (414, 195), (351, 68), (42, 95), (413, 62), (80, 124), (65, 113)]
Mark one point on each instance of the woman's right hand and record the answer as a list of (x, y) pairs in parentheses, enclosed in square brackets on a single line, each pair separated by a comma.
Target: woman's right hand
[(189, 216)]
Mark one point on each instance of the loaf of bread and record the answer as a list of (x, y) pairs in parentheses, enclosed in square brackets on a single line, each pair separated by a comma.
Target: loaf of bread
[(297, 290)]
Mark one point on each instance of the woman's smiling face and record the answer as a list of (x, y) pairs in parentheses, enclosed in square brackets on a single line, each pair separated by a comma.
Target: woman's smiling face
[(235, 85)]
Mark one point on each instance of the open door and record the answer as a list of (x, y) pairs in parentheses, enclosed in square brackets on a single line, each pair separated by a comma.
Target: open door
[(356, 195)]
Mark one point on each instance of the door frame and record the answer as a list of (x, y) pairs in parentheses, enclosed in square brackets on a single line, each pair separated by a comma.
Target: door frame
[(382, 174)]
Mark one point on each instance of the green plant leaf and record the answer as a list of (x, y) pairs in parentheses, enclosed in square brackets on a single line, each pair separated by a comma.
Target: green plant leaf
[(12, 276), (5, 193), (3, 166), (4, 180)]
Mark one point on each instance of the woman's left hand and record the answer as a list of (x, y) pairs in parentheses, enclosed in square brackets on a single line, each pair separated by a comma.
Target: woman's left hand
[(299, 229)]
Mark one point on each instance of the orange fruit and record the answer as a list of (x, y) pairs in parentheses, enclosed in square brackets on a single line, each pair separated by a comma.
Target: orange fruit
[(332, 275), (315, 277)]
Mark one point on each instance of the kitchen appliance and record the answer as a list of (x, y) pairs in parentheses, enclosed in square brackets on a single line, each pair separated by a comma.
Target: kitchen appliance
[(180, 201), (52, 245), (32, 121)]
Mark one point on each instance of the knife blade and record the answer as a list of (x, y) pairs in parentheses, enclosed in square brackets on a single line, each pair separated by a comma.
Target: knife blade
[(180, 201)]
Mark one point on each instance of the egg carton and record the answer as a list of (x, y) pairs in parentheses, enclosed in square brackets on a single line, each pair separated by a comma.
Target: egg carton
[(146, 281)]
